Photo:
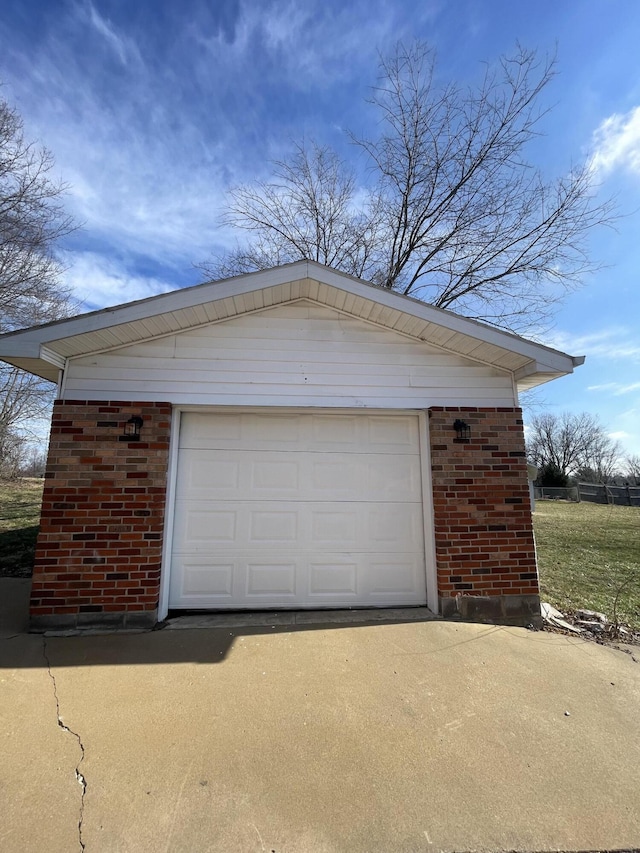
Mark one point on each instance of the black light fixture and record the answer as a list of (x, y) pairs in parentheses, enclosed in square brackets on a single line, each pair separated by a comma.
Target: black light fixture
[(463, 430), (132, 429)]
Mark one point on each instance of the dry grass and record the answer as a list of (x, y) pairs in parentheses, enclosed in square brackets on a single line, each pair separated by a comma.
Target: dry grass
[(589, 556), (19, 519)]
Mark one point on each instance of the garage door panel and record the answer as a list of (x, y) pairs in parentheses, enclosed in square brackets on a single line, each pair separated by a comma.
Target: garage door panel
[(276, 476), (300, 510), (282, 431), (394, 576), (198, 472), (334, 477), (333, 529), (392, 433), (269, 526), (280, 581), (201, 579), (393, 526), (203, 527), (271, 578), (316, 432), (202, 430), (222, 474), (333, 577), (209, 527), (394, 478), (333, 432)]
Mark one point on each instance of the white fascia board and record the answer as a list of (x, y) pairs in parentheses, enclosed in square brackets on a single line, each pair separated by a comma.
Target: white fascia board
[(18, 347)]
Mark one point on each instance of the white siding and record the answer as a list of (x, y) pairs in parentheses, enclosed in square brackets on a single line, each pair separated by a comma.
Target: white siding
[(291, 355)]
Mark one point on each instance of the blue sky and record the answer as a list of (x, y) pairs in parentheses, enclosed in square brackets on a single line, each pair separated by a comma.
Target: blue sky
[(153, 108)]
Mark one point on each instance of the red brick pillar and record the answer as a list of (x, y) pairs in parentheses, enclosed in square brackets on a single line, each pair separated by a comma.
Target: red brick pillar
[(99, 548), (485, 552)]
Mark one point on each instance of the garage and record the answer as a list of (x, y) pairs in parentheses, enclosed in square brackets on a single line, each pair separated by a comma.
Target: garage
[(291, 438), (295, 509)]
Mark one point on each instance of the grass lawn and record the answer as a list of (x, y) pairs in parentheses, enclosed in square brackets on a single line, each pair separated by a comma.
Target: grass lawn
[(586, 554), (19, 518)]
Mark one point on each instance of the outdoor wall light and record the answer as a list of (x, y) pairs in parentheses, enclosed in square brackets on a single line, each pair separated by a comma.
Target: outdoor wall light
[(463, 430), (132, 429)]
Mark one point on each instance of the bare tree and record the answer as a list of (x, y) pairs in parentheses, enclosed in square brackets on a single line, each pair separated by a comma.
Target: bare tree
[(32, 220), (308, 211), (570, 443), (454, 214), (604, 457), (13, 452), (632, 466)]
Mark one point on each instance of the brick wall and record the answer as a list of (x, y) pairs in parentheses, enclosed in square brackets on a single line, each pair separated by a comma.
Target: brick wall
[(99, 549), (485, 552)]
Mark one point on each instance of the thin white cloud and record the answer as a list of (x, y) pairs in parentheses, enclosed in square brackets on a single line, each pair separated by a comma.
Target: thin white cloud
[(121, 46), (625, 428), (619, 435), (613, 343), (309, 47), (616, 143), (100, 282), (627, 389), (607, 386), (338, 41), (618, 389)]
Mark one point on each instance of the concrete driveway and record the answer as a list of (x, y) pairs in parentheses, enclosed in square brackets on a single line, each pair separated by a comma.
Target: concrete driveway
[(402, 736)]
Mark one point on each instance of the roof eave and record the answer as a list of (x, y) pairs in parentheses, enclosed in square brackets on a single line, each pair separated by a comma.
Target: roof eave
[(535, 373), (37, 366)]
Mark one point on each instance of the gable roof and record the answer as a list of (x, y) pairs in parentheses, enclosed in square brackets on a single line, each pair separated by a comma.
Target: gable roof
[(43, 350)]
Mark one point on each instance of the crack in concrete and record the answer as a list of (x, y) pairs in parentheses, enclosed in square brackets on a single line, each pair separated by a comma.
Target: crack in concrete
[(79, 776)]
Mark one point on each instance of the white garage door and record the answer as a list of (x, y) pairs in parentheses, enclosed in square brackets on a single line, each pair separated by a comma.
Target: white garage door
[(298, 511)]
